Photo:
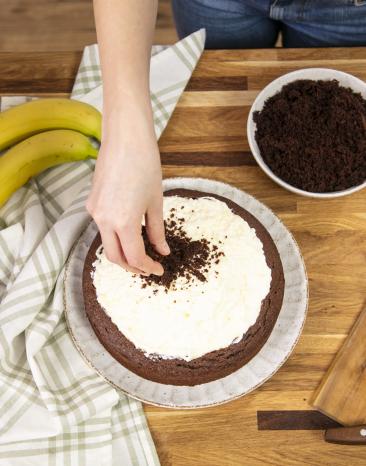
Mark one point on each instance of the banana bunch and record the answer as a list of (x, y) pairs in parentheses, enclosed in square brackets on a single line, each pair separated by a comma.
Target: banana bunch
[(51, 131), (36, 116), (41, 151)]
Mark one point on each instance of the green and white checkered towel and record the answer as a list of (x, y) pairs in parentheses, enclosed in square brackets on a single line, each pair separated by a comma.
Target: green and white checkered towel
[(54, 409)]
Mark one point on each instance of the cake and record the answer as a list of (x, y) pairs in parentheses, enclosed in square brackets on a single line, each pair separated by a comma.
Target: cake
[(211, 311)]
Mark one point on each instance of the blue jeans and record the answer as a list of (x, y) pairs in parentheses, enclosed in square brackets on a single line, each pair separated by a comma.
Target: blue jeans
[(236, 24)]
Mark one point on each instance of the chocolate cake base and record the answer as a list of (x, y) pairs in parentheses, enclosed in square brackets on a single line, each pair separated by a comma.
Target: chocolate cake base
[(213, 365)]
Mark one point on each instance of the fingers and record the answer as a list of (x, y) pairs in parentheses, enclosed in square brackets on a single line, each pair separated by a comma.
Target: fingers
[(155, 228), (113, 250), (134, 250)]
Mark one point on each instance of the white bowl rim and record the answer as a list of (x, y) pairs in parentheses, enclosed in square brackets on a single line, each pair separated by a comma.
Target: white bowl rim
[(251, 126)]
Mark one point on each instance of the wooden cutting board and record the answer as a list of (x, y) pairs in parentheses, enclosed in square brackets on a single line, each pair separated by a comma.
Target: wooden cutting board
[(206, 137), (342, 392)]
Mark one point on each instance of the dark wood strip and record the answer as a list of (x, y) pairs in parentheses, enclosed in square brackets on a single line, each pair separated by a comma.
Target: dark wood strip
[(294, 420), (208, 159), (217, 83), (283, 54), (37, 73), (30, 87)]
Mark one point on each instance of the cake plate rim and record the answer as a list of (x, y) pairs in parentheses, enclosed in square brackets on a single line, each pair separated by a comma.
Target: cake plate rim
[(208, 394)]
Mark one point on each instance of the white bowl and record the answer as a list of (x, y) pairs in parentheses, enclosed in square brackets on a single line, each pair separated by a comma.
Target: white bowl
[(344, 79)]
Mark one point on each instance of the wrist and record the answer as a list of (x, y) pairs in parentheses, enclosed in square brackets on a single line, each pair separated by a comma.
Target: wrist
[(128, 118), (126, 99)]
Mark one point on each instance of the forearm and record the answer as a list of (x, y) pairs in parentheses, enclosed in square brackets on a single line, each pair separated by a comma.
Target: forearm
[(125, 31), (127, 183)]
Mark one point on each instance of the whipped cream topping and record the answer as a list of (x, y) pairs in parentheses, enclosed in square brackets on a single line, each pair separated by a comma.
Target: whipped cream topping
[(194, 317)]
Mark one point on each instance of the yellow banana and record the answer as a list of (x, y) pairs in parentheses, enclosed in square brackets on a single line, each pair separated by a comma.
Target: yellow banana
[(20, 122), (35, 154)]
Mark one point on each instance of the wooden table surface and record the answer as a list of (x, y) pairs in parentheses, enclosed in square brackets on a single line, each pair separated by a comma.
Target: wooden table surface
[(207, 137)]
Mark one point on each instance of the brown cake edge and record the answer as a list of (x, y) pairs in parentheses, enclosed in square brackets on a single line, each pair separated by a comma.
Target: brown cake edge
[(213, 365)]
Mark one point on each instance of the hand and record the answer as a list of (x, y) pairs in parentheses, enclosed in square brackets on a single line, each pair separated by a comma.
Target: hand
[(127, 186)]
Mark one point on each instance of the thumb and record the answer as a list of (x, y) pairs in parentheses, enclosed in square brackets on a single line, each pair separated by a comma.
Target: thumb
[(155, 227)]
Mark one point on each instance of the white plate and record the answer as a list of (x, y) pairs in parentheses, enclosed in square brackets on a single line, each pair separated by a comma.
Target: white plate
[(344, 79), (271, 357)]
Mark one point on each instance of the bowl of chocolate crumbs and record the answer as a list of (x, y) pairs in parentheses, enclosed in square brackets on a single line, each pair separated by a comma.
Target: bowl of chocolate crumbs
[(307, 131)]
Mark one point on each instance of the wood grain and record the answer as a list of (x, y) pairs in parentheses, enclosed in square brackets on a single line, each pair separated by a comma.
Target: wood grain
[(206, 136), (294, 420), (208, 159), (38, 73), (217, 83), (342, 392), (346, 435), (67, 25)]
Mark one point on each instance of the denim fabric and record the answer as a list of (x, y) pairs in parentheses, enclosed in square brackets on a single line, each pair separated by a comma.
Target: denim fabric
[(256, 23)]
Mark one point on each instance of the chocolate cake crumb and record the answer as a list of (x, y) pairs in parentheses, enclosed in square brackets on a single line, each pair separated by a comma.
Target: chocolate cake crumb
[(312, 134), (190, 259)]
